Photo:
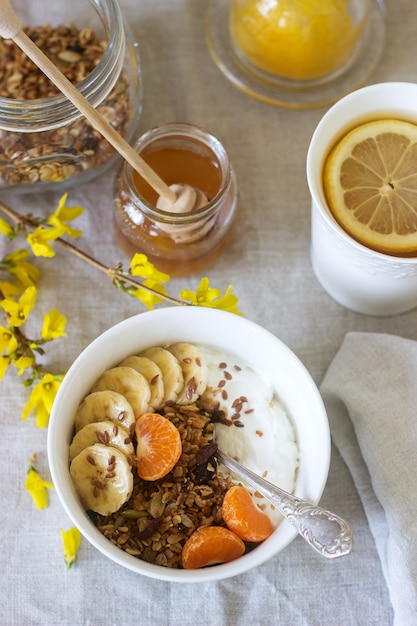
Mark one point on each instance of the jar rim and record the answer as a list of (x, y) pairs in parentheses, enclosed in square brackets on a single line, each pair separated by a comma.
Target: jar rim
[(54, 111), (184, 130)]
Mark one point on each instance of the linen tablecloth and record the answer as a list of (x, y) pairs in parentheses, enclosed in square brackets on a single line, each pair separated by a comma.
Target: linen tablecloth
[(269, 266)]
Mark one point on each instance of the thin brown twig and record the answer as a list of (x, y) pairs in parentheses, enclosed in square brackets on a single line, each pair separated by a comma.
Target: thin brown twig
[(114, 273)]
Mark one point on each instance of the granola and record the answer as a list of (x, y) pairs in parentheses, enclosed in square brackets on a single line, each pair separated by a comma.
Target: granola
[(58, 154), (160, 516)]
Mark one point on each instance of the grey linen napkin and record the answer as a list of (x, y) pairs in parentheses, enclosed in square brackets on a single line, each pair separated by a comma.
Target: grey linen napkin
[(370, 392)]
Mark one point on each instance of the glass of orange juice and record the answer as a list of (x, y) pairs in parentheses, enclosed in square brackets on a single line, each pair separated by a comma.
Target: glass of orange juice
[(361, 166), (296, 52)]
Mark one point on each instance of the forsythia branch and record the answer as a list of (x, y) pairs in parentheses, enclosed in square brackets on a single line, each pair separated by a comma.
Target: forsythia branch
[(117, 275)]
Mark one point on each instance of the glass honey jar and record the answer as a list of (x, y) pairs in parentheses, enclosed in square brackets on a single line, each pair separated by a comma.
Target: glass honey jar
[(179, 244)]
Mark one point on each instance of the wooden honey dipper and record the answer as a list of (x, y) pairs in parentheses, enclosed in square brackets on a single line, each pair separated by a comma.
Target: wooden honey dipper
[(178, 198)]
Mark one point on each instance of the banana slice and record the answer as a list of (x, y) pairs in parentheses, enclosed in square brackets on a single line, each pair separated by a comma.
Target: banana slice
[(105, 405), (102, 477), (129, 383), (153, 375), (107, 433), (171, 371), (194, 369)]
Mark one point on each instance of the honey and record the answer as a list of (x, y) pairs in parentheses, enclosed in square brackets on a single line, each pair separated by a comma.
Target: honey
[(173, 164), (178, 244)]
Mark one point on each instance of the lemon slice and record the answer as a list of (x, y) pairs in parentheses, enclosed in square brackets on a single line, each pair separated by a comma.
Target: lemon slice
[(370, 183)]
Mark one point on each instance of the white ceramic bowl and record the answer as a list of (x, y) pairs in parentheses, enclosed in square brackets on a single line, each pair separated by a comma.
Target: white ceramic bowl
[(235, 335)]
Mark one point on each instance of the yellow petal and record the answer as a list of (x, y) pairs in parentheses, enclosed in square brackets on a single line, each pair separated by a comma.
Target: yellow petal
[(53, 325), (37, 488), (23, 363), (5, 228), (71, 542), (4, 363)]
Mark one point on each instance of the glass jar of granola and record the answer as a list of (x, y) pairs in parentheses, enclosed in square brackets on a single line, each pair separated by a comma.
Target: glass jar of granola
[(45, 143)]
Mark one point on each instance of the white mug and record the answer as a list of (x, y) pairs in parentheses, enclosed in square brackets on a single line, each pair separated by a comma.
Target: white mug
[(357, 277)]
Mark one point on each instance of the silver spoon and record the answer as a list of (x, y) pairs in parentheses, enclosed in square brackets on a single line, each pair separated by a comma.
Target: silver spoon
[(324, 531)]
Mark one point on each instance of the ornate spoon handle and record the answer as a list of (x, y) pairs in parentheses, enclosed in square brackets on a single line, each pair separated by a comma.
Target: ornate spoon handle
[(326, 532)]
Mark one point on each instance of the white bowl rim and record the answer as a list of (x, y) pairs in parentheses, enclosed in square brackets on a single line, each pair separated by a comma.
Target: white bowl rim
[(175, 323)]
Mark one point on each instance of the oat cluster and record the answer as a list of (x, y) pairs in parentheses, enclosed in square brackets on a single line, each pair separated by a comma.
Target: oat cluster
[(75, 52)]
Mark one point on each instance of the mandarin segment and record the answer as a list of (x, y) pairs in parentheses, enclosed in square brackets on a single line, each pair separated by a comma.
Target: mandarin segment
[(370, 184), (242, 516), (158, 446), (211, 545)]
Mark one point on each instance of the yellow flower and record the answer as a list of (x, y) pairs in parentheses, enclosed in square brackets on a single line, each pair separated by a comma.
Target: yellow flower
[(204, 296), (19, 311), (210, 297), (53, 325), (42, 398), (26, 273), (37, 487), (140, 266), (65, 214), (147, 297), (7, 340), (4, 363), (71, 542), (40, 238), (228, 302), (23, 363), (8, 290), (6, 229)]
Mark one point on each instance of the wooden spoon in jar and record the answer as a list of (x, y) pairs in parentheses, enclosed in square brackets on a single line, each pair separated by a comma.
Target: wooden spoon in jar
[(177, 198)]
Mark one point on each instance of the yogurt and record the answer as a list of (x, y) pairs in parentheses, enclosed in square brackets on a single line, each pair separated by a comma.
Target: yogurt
[(253, 425)]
